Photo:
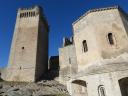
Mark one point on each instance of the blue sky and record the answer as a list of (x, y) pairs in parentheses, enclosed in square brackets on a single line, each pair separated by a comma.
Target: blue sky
[(60, 15)]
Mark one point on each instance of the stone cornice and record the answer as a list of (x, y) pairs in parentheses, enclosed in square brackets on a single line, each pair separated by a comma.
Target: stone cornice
[(96, 10)]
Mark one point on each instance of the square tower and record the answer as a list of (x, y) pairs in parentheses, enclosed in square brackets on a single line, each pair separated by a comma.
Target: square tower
[(29, 50)]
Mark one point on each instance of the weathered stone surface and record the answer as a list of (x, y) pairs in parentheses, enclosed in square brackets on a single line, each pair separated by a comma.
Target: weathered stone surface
[(29, 50), (43, 88), (101, 51)]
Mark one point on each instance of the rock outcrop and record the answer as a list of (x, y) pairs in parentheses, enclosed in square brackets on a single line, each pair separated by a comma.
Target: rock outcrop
[(42, 88)]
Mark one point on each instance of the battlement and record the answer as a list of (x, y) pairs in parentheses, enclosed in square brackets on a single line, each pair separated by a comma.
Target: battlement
[(32, 12), (29, 12), (67, 41)]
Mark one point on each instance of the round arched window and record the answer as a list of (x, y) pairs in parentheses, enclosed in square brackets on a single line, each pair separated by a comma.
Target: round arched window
[(101, 90)]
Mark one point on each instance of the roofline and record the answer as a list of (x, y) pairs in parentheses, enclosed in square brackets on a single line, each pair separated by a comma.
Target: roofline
[(95, 10)]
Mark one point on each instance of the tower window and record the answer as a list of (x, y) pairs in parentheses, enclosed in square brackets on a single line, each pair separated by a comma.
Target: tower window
[(22, 47), (69, 60), (85, 47), (101, 90), (110, 39), (29, 14)]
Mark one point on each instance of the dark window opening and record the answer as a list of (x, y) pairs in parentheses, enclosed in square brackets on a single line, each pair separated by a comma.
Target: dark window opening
[(27, 14), (21, 15), (111, 39), (85, 47), (22, 47)]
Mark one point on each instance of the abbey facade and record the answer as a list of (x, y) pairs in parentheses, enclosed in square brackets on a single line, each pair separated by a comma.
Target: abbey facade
[(94, 62)]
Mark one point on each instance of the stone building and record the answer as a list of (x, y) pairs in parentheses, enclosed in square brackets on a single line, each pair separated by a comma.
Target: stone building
[(99, 53), (29, 51), (67, 57)]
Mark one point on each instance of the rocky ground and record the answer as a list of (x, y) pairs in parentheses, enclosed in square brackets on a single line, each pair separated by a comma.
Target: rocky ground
[(42, 88)]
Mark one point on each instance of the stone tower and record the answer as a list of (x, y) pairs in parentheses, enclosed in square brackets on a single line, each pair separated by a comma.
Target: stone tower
[(29, 51)]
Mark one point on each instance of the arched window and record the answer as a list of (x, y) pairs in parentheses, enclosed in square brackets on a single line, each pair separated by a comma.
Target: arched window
[(79, 88), (110, 39), (101, 90), (85, 47)]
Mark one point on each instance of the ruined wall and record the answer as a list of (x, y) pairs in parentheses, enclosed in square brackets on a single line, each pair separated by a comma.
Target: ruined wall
[(68, 63)]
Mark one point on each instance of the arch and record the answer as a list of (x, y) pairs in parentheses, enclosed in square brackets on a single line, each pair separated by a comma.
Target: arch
[(85, 47), (79, 88), (101, 90), (110, 38), (123, 83)]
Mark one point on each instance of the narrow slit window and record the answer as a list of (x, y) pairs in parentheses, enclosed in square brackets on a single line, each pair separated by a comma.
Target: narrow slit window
[(25, 14), (101, 90), (111, 39), (29, 14), (22, 48), (85, 47), (20, 67), (69, 60)]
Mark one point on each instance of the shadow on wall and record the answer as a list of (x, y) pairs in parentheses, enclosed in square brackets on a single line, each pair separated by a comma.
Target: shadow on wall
[(124, 86), (53, 71)]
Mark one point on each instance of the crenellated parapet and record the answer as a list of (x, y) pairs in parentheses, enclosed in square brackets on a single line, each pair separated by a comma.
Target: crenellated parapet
[(29, 12)]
